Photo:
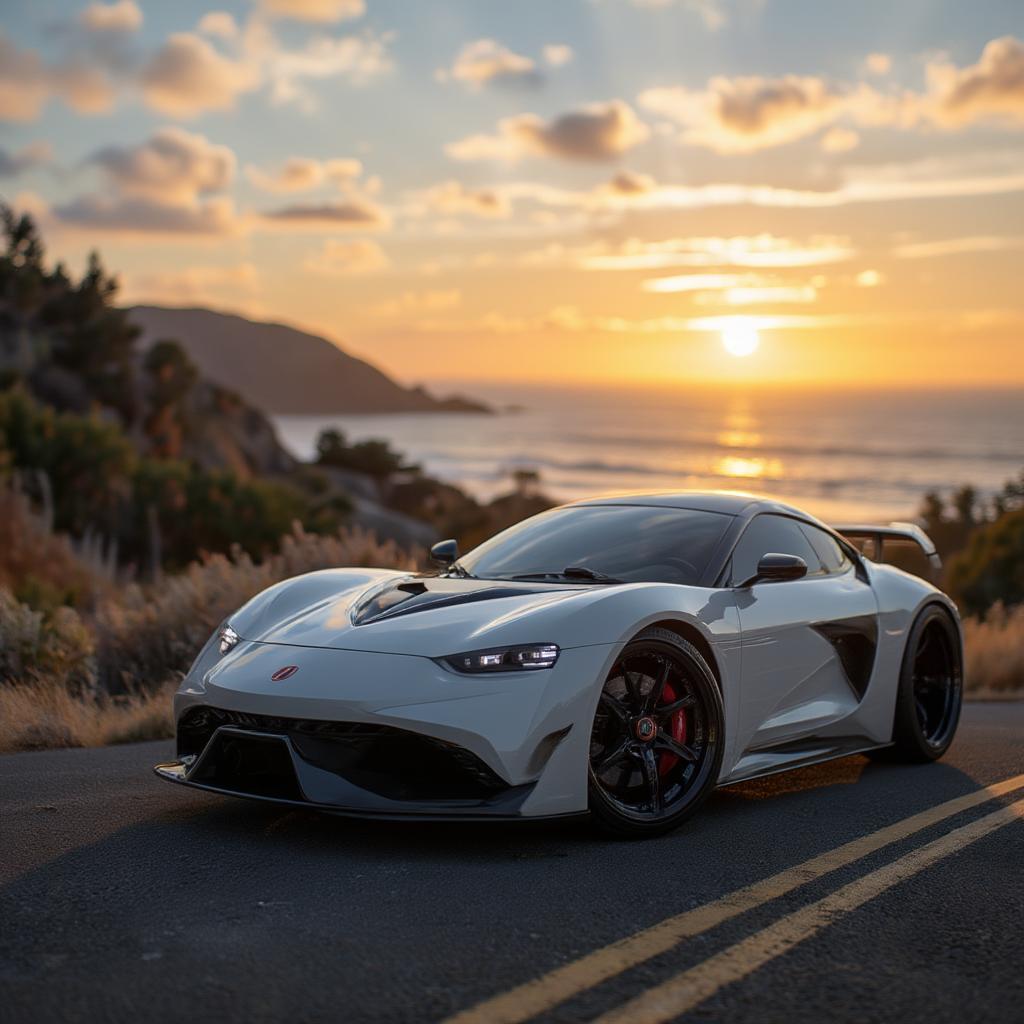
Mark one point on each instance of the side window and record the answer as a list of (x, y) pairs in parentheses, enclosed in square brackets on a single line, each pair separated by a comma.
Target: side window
[(776, 534), (831, 555)]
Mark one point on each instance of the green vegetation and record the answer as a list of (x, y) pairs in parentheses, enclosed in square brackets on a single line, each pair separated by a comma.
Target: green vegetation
[(158, 513), (991, 568), (374, 458), (981, 543)]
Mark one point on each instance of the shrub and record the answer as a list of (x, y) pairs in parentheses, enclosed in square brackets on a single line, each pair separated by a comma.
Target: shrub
[(35, 645), (374, 458), (991, 567), (150, 634), (42, 568)]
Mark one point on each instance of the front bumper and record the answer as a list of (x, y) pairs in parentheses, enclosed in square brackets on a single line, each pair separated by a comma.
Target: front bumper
[(386, 735)]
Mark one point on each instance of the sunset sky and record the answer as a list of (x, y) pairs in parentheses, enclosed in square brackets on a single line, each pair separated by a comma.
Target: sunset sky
[(585, 190)]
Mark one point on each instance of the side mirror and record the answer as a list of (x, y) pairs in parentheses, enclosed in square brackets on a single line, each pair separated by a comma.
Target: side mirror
[(775, 568), (444, 552)]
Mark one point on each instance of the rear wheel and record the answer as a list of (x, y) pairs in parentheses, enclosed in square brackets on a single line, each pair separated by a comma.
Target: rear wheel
[(930, 690), (657, 740)]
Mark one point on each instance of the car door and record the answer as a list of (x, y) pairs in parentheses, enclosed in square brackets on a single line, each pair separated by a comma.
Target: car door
[(807, 645)]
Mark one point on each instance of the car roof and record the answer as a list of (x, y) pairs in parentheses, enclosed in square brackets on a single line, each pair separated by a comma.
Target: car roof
[(733, 503)]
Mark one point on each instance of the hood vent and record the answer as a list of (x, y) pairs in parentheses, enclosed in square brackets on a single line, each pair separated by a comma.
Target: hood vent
[(420, 594)]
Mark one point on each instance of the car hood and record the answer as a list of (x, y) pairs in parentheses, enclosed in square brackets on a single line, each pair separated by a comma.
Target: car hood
[(402, 613)]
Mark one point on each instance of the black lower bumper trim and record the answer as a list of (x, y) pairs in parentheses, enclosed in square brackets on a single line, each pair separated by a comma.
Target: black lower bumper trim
[(359, 770)]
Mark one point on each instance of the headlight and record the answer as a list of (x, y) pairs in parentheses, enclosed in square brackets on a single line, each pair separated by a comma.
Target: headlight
[(228, 638), (504, 659)]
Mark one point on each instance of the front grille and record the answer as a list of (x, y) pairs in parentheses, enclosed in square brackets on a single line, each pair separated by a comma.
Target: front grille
[(390, 762)]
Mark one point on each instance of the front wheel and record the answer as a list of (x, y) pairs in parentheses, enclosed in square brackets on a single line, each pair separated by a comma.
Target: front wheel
[(657, 740), (930, 690)]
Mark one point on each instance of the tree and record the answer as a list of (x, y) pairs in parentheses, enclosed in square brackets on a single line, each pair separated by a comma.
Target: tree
[(526, 481), (374, 458), (965, 500), (73, 327), (991, 567), (170, 376), (331, 447)]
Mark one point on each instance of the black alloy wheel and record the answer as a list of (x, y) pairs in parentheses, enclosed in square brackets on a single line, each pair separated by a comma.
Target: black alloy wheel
[(657, 740), (930, 690)]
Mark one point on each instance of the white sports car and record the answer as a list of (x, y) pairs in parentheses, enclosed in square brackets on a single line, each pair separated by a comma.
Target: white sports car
[(621, 656)]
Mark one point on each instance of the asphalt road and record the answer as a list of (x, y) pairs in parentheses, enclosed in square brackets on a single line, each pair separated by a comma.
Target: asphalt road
[(125, 898)]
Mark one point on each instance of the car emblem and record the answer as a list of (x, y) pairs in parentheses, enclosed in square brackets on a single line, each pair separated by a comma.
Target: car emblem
[(284, 673), (645, 729)]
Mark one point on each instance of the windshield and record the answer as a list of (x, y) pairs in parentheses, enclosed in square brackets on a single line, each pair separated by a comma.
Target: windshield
[(632, 543)]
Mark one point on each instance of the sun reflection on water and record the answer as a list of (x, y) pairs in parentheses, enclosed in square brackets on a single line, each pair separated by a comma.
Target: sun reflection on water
[(747, 467)]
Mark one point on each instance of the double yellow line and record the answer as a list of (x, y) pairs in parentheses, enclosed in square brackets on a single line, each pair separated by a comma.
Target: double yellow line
[(684, 991)]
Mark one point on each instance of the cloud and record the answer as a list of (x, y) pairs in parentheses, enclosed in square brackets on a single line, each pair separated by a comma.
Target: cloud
[(130, 215), (341, 257), (629, 183), (359, 59), (298, 174), (218, 23), (314, 10), (878, 63), (756, 295), (600, 131), (994, 87), (869, 278), (27, 83), (193, 285), (173, 164), (122, 16), (741, 115), (558, 54), (452, 197), (356, 213), (979, 174), (488, 62), (697, 282), (187, 76), (958, 246), (737, 115), (733, 289), (172, 184), (36, 154), (419, 302), (839, 140), (753, 251)]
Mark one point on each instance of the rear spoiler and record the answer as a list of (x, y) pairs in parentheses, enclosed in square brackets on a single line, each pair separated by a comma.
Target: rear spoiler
[(898, 531)]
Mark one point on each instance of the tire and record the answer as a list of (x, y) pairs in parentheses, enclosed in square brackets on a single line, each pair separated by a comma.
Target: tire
[(657, 739), (930, 693)]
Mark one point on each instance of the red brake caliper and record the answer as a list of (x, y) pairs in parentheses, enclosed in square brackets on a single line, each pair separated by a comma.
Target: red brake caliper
[(677, 730)]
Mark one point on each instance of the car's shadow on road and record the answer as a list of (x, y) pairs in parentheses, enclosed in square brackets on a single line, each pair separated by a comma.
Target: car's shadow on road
[(841, 789), (755, 827)]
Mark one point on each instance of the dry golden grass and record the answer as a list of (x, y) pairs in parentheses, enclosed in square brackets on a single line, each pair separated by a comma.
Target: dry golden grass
[(994, 651), (148, 633), (43, 715)]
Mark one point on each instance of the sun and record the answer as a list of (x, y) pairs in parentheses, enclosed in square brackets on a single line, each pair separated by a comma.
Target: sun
[(740, 339)]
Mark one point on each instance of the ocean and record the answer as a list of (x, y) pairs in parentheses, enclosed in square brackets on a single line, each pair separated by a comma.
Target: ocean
[(841, 455)]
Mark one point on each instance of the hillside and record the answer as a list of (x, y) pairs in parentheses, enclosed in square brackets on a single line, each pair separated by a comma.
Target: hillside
[(283, 370)]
